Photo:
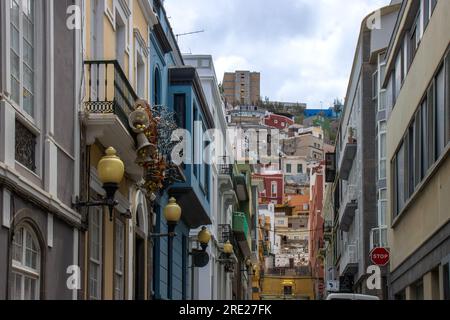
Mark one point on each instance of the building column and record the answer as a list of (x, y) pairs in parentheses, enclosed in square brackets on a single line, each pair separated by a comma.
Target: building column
[(7, 134), (409, 293), (441, 282), (431, 286)]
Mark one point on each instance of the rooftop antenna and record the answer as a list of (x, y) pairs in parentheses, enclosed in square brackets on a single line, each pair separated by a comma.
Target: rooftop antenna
[(188, 33)]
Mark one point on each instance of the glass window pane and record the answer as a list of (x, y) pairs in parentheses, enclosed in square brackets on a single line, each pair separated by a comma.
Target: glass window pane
[(15, 65), (28, 104), (28, 8), (400, 170), (15, 39), (15, 13), (28, 80), (28, 30), (440, 113), (28, 53), (383, 145), (383, 208), (383, 169)]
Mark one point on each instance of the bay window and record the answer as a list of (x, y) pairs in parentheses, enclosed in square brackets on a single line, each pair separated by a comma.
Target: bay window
[(22, 26)]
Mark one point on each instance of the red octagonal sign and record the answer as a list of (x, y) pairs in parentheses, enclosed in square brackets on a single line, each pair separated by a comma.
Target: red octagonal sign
[(380, 256)]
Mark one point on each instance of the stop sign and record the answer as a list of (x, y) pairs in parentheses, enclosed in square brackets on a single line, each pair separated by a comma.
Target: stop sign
[(380, 256)]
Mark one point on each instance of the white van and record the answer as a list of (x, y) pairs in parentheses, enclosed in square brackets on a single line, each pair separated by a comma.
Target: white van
[(350, 296)]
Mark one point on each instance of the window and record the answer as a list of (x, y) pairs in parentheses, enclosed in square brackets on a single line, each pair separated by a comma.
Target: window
[(418, 290), (274, 189), (180, 110), (382, 207), (96, 254), (195, 144), (446, 281), (382, 150), (375, 85), (140, 75), (22, 53), (119, 255), (414, 39), (121, 39), (424, 140), (410, 173), (397, 77), (288, 290), (25, 146), (26, 265), (440, 113), (399, 189), (157, 88), (299, 168), (288, 168), (426, 12)]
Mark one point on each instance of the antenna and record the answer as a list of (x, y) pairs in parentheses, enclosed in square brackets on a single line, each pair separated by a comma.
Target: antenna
[(188, 33)]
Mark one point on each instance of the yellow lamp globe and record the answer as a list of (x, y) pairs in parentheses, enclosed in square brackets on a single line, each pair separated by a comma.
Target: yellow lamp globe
[(228, 247), (110, 168), (204, 236), (172, 212)]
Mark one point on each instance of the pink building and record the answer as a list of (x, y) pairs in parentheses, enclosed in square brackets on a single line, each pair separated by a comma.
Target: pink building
[(273, 187), (278, 121), (316, 224)]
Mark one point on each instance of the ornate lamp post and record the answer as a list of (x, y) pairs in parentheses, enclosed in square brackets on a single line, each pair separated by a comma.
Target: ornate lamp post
[(110, 171)]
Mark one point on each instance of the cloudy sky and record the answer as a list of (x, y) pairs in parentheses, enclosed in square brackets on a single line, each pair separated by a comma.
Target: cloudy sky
[(303, 48)]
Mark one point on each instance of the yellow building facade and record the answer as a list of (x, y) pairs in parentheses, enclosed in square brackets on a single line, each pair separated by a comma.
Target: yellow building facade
[(117, 250), (418, 147), (287, 288)]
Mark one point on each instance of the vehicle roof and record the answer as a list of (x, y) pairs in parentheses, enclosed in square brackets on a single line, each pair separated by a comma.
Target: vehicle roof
[(351, 296)]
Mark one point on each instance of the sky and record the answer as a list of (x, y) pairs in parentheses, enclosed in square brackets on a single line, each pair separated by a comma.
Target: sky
[(304, 49)]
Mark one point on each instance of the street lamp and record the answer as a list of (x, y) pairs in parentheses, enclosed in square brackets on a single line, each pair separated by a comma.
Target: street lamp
[(172, 214), (225, 257), (110, 170), (228, 248), (203, 237)]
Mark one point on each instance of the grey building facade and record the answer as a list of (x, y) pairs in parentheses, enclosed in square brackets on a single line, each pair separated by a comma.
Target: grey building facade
[(356, 210), (39, 150)]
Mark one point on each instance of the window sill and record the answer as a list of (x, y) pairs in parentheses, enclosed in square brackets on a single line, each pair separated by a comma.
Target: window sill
[(28, 170), (430, 174)]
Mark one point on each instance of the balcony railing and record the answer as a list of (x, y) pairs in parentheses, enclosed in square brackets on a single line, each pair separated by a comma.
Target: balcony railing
[(240, 226), (108, 90), (224, 233)]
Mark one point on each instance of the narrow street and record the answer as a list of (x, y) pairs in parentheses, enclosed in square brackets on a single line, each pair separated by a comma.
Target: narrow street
[(224, 151)]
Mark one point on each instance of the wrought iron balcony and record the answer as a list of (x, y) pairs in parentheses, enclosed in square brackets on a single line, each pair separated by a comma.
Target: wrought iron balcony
[(108, 90), (109, 99)]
